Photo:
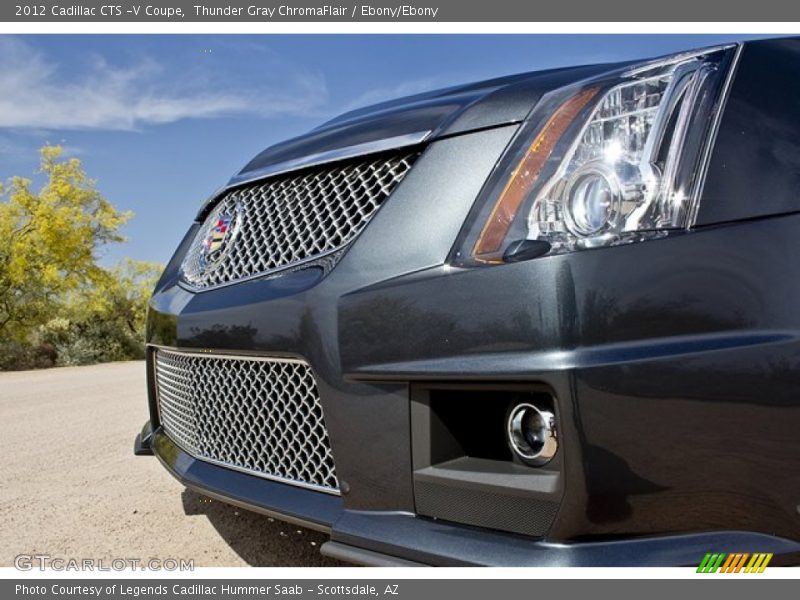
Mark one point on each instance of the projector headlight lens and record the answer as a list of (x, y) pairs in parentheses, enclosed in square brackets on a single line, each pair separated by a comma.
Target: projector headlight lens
[(592, 198)]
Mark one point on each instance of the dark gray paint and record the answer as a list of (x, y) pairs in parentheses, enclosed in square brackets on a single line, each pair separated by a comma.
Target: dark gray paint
[(444, 113), (444, 544), (755, 166), (674, 363), (297, 314)]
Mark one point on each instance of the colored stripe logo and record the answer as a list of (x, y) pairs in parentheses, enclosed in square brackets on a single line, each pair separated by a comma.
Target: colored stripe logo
[(734, 563)]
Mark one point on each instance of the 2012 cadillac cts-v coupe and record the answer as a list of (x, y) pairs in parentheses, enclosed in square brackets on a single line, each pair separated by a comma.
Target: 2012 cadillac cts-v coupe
[(548, 319)]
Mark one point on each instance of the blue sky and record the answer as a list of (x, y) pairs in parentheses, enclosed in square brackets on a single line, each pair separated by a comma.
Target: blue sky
[(162, 121)]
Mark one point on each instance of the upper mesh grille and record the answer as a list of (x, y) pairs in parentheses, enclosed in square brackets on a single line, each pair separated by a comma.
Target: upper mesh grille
[(288, 219), (260, 415)]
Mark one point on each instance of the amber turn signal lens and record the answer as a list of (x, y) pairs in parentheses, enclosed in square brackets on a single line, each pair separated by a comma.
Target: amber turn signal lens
[(489, 247)]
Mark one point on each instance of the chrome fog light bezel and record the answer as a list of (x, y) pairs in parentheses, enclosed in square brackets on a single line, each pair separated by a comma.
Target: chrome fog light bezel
[(543, 448)]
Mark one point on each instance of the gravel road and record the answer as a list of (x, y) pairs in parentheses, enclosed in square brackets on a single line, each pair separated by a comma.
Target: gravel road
[(71, 487)]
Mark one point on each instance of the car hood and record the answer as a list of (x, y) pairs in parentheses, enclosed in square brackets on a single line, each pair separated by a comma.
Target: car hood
[(415, 119)]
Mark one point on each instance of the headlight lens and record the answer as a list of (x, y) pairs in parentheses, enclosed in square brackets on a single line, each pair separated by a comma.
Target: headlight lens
[(592, 200), (617, 159)]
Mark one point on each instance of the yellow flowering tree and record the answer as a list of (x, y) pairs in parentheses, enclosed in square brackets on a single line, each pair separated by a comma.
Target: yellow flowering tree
[(50, 239)]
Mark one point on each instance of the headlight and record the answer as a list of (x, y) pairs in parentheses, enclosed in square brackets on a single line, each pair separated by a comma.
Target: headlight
[(616, 159)]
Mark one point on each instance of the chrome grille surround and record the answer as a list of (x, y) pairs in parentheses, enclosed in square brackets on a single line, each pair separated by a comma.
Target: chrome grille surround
[(261, 416), (293, 218)]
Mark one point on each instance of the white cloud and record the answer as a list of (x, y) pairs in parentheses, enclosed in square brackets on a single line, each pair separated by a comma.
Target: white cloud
[(35, 92), (377, 95)]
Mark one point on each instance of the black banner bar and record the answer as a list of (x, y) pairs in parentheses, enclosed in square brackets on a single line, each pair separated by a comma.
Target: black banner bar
[(399, 11), (388, 589)]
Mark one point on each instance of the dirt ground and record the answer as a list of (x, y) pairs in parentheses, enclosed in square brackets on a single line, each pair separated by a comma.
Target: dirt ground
[(71, 487)]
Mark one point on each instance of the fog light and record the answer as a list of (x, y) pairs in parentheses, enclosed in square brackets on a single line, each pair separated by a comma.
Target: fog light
[(532, 434)]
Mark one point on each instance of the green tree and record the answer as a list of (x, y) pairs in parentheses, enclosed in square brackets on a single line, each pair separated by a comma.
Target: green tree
[(106, 321), (50, 239), (57, 304)]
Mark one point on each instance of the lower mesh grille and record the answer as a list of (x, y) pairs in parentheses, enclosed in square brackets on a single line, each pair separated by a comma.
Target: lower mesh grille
[(258, 415)]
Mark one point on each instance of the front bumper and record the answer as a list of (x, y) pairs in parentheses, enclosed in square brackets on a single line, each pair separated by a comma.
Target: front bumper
[(403, 539), (673, 366)]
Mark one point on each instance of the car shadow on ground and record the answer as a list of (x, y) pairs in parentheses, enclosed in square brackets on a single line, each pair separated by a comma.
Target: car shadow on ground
[(259, 540)]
